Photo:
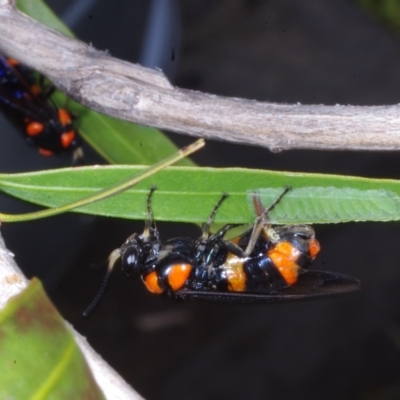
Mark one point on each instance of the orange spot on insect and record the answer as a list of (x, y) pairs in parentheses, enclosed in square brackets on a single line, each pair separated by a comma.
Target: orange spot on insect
[(284, 256), (178, 275), (45, 152), (235, 274), (34, 128), (288, 250), (314, 248), (67, 138), (151, 282), (64, 116), (12, 62), (35, 89)]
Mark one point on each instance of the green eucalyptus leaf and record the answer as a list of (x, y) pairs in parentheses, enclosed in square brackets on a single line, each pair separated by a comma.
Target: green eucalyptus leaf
[(188, 194), (39, 357), (40, 11), (329, 204)]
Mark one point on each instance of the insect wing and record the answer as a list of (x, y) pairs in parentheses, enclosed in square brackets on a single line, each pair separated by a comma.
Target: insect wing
[(310, 284)]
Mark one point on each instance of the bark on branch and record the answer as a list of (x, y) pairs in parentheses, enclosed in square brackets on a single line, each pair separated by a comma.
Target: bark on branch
[(145, 96)]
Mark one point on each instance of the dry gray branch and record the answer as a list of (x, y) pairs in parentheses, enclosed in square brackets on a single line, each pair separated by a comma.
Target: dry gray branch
[(145, 96), (12, 282)]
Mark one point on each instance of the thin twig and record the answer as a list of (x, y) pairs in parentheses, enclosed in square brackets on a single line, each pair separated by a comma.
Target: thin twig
[(145, 96)]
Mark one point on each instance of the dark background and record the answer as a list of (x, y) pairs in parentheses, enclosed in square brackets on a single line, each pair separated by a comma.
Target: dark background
[(347, 347)]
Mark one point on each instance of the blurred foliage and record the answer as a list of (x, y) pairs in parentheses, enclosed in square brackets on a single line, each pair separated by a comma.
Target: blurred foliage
[(386, 10)]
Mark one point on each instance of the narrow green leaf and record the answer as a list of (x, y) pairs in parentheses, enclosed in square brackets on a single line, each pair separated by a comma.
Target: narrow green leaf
[(188, 193), (40, 11), (313, 204), (39, 358), (119, 142), (108, 191), (388, 11)]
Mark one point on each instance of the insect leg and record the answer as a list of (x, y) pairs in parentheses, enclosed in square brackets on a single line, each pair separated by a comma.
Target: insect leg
[(206, 226), (262, 218)]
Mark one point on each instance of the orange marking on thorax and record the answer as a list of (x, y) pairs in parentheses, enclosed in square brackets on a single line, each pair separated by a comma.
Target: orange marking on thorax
[(151, 282), (178, 275), (64, 116)]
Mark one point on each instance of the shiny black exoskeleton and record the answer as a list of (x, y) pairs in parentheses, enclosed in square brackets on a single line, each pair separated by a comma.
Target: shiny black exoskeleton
[(265, 263), (24, 100)]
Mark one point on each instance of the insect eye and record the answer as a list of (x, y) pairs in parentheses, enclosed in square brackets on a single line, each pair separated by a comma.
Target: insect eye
[(131, 261), (303, 236)]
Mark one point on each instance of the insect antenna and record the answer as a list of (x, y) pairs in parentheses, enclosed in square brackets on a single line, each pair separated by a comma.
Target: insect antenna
[(112, 259), (149, 223)]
